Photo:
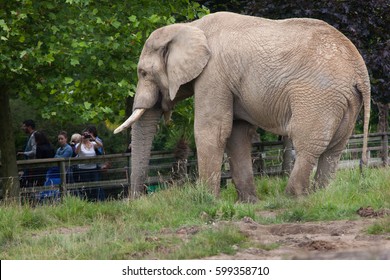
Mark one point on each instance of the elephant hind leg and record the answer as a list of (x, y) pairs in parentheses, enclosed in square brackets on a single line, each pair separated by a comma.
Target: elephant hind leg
[(299, 181), (326, 168), (310, 139), (238, 148), (329, 159)]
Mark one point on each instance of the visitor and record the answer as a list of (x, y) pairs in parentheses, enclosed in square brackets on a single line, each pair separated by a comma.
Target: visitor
[(89, 172), (86, 148), (44, 150), (65, 150), (74, 140), (91, 129), (28, 126), (27, 175)]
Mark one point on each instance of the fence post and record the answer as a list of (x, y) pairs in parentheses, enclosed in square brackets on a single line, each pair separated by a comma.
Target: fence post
[(385, 149), (63, 177)]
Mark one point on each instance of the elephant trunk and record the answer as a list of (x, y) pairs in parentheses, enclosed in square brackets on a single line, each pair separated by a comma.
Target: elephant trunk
[(142, 135)]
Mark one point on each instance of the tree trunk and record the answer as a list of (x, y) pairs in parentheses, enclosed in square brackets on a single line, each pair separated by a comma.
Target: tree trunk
[(9, 179), (383, 127)]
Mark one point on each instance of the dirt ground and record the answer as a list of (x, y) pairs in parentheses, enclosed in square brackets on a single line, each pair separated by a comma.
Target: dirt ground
[(332, 240), (314, 240)]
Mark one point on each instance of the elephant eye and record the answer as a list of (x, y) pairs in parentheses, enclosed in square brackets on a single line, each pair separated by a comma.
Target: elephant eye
[(143, 73)]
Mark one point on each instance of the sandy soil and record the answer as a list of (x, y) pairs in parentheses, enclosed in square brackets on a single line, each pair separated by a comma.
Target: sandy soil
[(314, 240)]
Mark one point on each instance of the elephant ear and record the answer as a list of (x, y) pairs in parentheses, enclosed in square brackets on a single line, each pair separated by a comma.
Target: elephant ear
[(186, 54)]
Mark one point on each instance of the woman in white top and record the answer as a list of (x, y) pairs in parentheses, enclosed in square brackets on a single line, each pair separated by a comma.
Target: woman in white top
[(88, 172)]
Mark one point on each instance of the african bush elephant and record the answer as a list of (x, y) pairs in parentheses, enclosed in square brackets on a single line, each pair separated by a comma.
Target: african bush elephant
[(296, 77)]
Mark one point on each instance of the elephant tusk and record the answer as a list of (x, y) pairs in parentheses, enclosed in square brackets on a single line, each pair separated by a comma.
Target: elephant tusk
[(132, 119)]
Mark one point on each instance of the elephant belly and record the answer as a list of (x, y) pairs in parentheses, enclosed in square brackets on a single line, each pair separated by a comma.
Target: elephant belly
[(264, 118)]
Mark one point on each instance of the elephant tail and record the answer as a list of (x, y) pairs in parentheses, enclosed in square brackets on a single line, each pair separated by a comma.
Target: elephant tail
[(365, 91)]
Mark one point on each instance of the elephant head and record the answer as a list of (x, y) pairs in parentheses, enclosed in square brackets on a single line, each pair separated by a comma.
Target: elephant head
[(172, 57)]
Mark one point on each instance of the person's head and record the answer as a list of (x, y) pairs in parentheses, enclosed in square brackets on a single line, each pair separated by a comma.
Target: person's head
[(86, 136), (92, 130), (28, 126), (62, 138), (76, 138), (41, 138)]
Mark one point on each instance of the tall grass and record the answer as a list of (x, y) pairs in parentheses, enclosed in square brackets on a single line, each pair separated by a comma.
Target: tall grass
[(180, 222)]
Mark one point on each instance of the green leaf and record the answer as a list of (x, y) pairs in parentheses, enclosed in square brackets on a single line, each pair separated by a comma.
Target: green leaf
[(123, 83), (107, 110), (55, 29), (132, 18), (154, 18), (74, 61), (116, 24), (83, 44), (22, 54), (49, 58), (87, 105), (68, 80), (3, 25)]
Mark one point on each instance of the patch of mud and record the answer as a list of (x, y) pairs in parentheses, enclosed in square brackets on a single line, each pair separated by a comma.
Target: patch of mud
[(190, 230), (311, 240), (369, 212), (318, 245)]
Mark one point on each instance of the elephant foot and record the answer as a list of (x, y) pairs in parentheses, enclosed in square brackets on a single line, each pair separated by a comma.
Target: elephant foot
[(317, 187), (248, 199), (290, 191)]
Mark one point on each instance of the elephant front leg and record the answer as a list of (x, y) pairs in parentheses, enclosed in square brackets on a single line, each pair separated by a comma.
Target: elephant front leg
[(209, 167), (213, 125), (239, 148)]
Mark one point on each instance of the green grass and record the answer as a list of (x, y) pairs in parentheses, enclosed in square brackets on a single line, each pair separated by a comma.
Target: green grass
[(380, 227), (180, 222)]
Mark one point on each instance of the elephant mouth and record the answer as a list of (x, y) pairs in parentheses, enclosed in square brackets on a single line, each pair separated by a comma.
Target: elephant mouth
[(160, 103)]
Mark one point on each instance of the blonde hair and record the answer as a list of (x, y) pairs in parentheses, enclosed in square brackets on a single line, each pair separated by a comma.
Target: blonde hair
[(75, 138)]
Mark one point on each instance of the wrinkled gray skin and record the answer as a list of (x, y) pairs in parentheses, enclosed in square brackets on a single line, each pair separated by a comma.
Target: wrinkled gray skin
[(298, 77)]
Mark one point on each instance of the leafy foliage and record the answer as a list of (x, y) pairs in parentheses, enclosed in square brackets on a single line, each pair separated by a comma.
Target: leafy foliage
[(77, 59), (221, 5)]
